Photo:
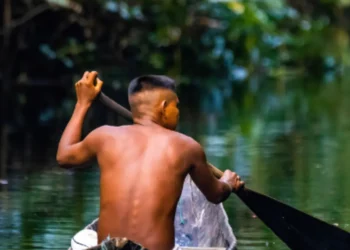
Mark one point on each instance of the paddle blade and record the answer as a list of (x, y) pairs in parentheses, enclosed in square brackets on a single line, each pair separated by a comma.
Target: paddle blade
[(297, 229)]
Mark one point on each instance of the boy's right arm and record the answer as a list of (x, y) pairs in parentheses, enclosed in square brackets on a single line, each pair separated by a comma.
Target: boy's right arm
[(215, 190)]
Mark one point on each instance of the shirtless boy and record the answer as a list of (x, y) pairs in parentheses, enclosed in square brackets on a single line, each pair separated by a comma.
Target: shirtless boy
[(143, 166)]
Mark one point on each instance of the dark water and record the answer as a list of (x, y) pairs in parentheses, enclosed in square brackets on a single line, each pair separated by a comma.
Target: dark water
[(288, 140)]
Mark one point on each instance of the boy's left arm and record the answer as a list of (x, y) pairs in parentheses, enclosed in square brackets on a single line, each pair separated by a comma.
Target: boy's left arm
[(71, 151)]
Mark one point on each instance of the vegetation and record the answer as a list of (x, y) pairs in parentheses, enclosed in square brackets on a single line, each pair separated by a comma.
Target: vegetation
[(207, 42), (208, 45)]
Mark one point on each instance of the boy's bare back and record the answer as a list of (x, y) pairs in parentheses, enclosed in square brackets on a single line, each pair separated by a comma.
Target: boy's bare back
[(148, 165)]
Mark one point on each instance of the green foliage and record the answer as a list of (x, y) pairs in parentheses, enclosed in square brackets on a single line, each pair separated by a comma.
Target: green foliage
[(214, 43), (197, 41)]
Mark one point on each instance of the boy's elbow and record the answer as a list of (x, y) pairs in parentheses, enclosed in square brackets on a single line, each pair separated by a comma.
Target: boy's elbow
[(218, 199), (220, 195), (215, 199), (70, 161), (62, 161), (59, 158)]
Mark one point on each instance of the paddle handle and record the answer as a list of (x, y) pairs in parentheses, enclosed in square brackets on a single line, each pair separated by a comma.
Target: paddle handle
[(120, 110), (116, 107), (217, 172)]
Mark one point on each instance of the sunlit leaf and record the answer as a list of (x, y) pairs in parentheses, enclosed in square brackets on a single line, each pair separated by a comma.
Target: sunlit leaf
[(70, 4), (236, 7)]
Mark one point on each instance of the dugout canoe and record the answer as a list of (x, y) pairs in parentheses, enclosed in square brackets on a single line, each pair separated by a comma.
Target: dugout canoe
[(199, 224)]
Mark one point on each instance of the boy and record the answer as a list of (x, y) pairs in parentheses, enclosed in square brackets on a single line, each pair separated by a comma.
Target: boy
[(143, 166)]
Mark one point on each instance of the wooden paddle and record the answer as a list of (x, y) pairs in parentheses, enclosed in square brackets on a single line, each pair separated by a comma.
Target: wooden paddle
[(297, 229)]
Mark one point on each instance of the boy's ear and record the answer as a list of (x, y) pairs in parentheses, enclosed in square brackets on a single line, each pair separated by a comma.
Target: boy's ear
[(163, 107), (164, 104)]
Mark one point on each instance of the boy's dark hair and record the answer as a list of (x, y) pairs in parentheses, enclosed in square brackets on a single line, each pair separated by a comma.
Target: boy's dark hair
[(156, 81)]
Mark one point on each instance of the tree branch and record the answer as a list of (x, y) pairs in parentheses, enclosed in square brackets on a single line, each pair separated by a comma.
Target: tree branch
[(29, 15)]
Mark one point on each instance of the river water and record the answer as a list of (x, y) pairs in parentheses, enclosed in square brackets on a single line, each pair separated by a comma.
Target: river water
[(289, 140)]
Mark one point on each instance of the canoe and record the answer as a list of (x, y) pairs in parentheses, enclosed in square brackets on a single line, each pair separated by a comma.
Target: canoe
[(199, 224), (112, 245)]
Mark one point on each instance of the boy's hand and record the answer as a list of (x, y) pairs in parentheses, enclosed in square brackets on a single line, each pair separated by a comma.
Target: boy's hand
[(232, 179), (86, 90)]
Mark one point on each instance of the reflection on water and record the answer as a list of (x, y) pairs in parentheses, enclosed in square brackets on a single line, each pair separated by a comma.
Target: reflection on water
[(42, 210), (292, 145)]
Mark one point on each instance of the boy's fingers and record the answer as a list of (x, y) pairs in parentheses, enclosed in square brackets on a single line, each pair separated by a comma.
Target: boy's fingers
[(86, 75), (92, 75), (98, 85)]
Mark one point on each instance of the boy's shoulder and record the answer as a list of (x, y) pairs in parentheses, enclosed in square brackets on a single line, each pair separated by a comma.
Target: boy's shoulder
[(184, 141)]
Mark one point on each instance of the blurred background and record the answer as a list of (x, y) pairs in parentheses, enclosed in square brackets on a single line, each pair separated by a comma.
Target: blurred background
[(263, 84)]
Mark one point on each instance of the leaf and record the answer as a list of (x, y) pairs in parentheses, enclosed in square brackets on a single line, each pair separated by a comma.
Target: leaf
[(236, 7)]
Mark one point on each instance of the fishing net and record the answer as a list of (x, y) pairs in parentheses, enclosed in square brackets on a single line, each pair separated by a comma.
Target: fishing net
[(198, 223)]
